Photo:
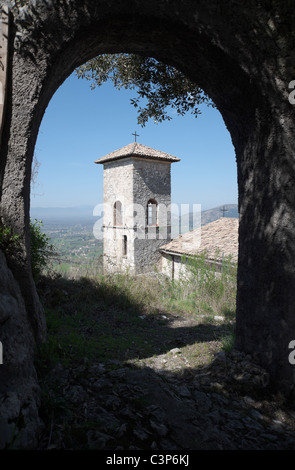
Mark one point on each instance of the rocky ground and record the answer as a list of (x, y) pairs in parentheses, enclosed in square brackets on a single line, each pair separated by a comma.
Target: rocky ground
[(166, 405), (157, 380)]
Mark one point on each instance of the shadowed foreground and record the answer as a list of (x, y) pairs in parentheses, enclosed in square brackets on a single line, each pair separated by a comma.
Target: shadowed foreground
[(149, 380)]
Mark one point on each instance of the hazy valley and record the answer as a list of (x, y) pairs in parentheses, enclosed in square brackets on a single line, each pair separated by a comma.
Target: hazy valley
[(71, 231)]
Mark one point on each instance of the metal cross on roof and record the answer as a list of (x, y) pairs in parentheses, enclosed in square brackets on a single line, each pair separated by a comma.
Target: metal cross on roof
[(135, 135), (223, 210)]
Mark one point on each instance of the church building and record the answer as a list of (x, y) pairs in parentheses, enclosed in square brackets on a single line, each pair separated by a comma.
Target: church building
[(136, 207)]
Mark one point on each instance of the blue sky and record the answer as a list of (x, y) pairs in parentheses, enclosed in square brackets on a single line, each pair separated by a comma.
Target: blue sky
[(81, 125)]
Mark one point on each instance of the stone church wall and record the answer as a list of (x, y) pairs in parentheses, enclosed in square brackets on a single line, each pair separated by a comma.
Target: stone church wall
[(117, 186), (133, 182)]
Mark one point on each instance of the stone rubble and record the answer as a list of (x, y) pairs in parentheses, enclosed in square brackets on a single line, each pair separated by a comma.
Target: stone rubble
[(225, 405)]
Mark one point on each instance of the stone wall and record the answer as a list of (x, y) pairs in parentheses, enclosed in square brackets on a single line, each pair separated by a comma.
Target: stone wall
[(118, 186), (152, 181), (133, 182), (172, 266)]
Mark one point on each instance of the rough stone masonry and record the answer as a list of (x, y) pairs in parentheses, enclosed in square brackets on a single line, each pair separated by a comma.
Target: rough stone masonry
[(134, 177)]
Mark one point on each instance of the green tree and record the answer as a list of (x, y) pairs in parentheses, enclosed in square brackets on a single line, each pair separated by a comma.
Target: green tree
[(8, 240), (161, 85), (41, 249)]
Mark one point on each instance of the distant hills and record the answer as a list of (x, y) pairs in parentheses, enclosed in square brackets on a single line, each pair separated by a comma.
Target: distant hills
[(231, 210), (69, 215), (189, 221), (57, 213)]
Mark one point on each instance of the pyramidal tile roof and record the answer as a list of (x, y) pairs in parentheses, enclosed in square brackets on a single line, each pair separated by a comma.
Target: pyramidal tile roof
[(137, 150), (219, 238)]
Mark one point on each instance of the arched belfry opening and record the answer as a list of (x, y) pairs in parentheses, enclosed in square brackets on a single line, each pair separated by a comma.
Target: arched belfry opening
[(118, 213), (152, 212), (241, 58)]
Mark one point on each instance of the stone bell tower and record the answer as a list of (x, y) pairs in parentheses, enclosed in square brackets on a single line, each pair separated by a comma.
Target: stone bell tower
[(136, 207)]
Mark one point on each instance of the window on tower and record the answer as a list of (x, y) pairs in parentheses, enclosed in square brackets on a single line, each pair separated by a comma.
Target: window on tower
[(118, 213), (124, 245), (152, 212)]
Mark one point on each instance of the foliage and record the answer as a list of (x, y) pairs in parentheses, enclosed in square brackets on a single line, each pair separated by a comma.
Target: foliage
[(111, 320), (8, 240), (129, 314), (161, 85), (228, 342), (41, 248), (34, 174), (201, 289)]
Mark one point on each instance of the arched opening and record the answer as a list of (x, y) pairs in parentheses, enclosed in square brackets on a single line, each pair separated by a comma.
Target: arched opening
[(245, 73), (118, 213), (152, 212)]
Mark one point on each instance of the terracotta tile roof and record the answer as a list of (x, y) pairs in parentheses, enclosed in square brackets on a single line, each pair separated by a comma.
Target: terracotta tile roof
[(137, 150), (221, 235)]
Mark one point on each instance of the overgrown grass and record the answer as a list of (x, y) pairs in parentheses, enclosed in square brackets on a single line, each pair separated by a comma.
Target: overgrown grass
[(122, 316), (201, 290)]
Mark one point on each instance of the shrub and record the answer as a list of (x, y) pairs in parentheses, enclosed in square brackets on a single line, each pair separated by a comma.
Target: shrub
[(8, 240), (202, 289), (41, 249)]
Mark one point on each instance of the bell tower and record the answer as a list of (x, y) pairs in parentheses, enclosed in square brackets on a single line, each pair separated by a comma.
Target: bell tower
[(136, 207)]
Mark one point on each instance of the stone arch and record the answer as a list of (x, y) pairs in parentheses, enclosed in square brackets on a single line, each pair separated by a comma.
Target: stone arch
[(241, 55)]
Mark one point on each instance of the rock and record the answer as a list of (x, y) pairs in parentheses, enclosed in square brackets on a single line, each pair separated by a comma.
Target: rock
[(113, 402), (156, 412), (159, 428), (118, 372), (98, 440), (256, 415), (202, 401), (182, 391), (100, 384), (97, 369), (141, 433), (220, 399), (252, 424), (122, 430), (214, 416), (249, 400), (19, 386), (175, 351), (221, 356), (76, 394)]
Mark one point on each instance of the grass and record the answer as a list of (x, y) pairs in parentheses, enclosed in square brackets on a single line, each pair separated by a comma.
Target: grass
[(126, 319), (123, 316)]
